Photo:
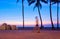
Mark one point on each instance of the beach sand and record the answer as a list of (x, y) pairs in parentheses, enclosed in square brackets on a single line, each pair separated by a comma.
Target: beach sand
[(29, 34)]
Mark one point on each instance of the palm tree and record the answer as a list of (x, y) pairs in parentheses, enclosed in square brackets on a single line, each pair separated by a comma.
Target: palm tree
[(22, 11), (54, 2), (38, 5), (50, 3)]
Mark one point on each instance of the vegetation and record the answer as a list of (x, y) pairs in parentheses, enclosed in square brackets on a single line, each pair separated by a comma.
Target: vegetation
[(39, 6), (22, 11), (54, 2)]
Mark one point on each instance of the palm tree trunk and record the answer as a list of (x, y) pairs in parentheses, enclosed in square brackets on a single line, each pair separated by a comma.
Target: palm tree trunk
[(51, 16), (57, 15), (40, 17), (23, 12)]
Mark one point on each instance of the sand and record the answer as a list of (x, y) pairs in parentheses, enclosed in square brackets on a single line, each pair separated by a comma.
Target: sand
[(29, 34)]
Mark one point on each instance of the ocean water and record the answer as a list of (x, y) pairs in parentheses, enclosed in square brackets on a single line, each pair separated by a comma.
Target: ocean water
[(49, 25), (30, 27)]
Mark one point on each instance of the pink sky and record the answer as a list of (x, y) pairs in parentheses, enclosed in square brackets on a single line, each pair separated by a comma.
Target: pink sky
[(27, 23)]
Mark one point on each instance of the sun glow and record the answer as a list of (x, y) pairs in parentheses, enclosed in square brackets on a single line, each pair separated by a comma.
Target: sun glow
[(27, 23)]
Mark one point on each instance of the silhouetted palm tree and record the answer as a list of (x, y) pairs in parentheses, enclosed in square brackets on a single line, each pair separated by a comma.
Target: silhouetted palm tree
[(54, 2), (22, 11), (38, 5), (50, 3)]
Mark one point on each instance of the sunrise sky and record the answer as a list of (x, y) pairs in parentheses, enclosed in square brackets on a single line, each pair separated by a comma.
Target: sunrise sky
[(11, 13)]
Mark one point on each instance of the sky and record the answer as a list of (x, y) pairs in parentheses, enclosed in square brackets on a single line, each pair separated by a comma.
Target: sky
[(11, 13)]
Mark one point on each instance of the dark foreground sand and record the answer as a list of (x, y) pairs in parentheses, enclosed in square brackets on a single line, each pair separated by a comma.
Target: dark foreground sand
[(29, 34)]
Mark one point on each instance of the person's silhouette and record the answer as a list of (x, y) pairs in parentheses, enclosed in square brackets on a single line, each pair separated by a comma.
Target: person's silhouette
[(36, 21), (37, 25)]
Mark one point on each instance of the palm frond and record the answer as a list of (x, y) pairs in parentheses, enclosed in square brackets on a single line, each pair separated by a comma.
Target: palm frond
[(37, 5), (45, 1), (59, 1), (22, 0), (28, 1), (17, 1), (55, 1), (31, 1)]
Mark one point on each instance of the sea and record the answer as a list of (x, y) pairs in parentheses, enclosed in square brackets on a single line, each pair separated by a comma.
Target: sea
[(30, 27)]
